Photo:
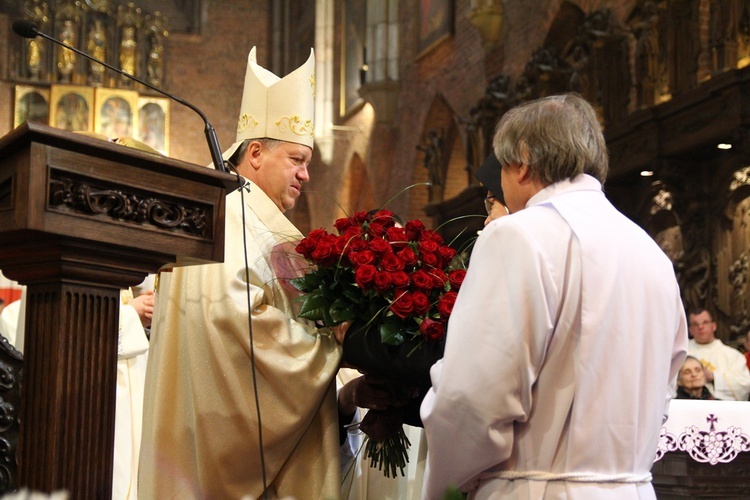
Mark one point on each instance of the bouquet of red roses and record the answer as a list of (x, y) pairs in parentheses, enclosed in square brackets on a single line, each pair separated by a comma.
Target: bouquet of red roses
[(398, 285)]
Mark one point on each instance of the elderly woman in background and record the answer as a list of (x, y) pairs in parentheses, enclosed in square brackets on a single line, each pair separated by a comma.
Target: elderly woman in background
[(691, 381)]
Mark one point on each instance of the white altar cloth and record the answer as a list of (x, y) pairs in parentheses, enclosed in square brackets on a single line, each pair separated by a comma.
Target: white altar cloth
[(709, 431)]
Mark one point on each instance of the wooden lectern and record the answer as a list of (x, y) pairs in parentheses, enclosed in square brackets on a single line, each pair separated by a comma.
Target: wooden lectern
[(80, 219)]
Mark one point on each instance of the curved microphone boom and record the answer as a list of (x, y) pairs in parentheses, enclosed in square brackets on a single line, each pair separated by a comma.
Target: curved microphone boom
[(28, 29)]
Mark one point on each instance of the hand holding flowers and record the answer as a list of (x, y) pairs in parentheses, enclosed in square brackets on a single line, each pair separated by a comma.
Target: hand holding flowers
[(397, 285)]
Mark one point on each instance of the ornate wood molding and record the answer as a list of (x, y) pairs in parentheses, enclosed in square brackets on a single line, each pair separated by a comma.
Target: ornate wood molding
[(87, 197)]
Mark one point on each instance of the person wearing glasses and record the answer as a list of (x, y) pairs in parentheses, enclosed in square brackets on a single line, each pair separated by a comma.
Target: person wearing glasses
[(489, 175), (568, 332), (725, 368)]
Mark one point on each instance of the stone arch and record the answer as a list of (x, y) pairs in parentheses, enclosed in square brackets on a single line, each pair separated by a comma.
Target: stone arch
[(564, 26)]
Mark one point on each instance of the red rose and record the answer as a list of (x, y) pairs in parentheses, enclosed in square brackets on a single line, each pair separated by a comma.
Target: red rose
[(396, 236), (353, 231), (376, 229), (445, 304), (342, 244), (403, 305), (400, 279), (362, 258), (408, 256), (391, 263), (414, 229), (428, 246), (379, 246), (305, 248), (365, 276), (360, 217), (438, 278), (325, 252), (343, 224), (421, 303), (446, 253), (456, 278), (422, 280), (308, 243), (430, 235), (385, 217), (432, 330), (317, 234), (429, 259), (357, 245), (383, 281)]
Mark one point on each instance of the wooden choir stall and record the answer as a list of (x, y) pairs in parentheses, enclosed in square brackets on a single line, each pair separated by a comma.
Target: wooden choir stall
[(81, 219)]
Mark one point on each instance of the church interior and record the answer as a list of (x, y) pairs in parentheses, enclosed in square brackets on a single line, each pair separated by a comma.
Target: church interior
[(408, 94)]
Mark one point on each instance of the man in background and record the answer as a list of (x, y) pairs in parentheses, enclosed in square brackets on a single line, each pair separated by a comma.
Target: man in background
[(725, 368), (565, 336)]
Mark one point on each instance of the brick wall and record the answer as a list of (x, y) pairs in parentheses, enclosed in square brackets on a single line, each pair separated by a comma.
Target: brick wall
[(208, 71)]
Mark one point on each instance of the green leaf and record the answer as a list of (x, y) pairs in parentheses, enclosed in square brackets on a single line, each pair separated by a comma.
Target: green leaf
[(327, 319), (341, 310), (306, 283), (314, 307), (351, 292), (391, 332), (299, 283)]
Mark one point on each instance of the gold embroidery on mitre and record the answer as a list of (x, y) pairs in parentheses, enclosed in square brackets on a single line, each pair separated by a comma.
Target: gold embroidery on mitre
[(296, 125), (312, 82), (246, 122)]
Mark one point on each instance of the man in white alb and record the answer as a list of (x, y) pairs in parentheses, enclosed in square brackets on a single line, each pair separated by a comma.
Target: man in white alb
[(725, 368), (566, 335)]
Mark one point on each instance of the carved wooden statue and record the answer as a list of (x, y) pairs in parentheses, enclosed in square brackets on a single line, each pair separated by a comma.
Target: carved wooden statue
[(434, 163), (66, 59), (97, 47)]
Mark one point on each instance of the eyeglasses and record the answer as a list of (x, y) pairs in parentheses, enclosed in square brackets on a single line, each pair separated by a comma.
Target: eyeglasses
[(702, 323), (489, 201)]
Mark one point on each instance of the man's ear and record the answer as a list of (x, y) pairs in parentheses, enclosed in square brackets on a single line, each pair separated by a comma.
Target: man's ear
[(524, 173), (251, 161), (254, 151)]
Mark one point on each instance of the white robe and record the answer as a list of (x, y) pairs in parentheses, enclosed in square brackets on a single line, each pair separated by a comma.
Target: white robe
[(731, 376), (132, 356), (561, 347), (200, 426)]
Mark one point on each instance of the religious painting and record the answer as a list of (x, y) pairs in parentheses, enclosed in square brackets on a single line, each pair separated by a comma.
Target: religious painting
[(31, 105), (116, 113), (354, 29), (72, 108), (434, 24), (153, 123)]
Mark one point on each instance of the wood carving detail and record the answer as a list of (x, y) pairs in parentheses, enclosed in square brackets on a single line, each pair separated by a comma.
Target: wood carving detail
[(11, 375), (84, 197)]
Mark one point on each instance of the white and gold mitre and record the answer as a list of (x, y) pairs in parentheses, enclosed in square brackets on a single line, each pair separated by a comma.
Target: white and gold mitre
[(277, 108)]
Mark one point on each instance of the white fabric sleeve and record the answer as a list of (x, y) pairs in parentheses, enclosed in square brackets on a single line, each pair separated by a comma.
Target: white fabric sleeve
[(497, 337), (734, 381)]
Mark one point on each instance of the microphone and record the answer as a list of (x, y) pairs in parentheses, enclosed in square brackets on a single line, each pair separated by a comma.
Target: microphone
[(28, 29)]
